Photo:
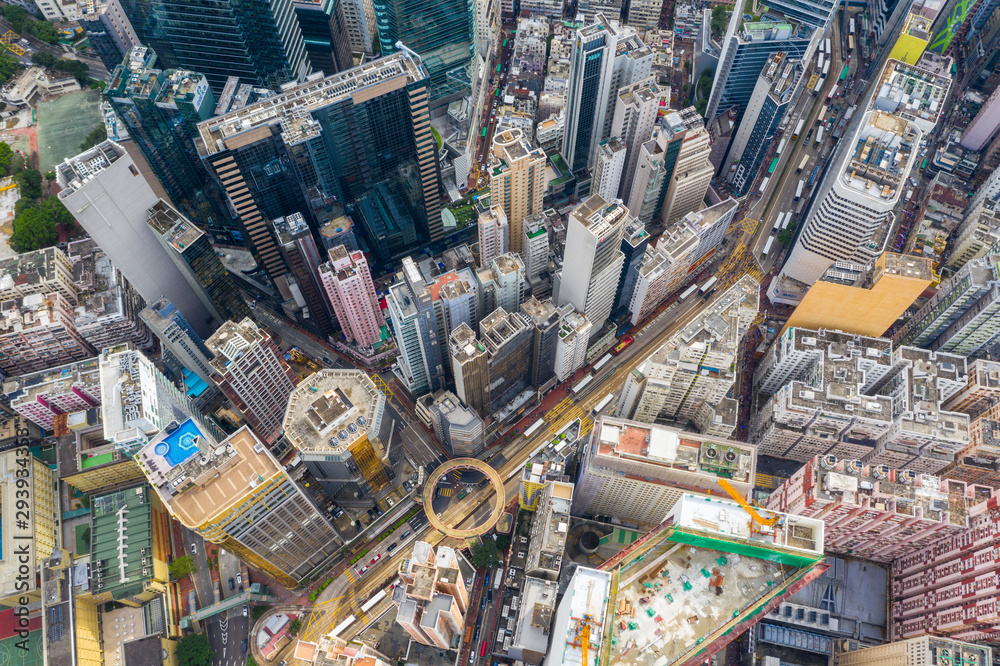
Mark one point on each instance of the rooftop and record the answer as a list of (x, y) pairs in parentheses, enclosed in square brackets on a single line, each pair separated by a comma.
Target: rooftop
[(911, 92), (584, 604), (884, 149), (599, 216), (121, 541), (175, 229), (231, 339), (331, 409), (538, 607), (76, 171)]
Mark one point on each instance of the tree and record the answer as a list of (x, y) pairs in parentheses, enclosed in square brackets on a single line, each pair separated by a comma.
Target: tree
[(720, 17), (33, 230), (194, 650), (295, 626), (58, 212), (43, 58), (74, 68), (182, 566), (94, 137), (30, 181), (485, 554), (8, 67), (45, 31), (6, 157)]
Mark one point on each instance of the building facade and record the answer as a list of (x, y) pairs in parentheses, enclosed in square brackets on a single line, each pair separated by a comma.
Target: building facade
[(351, 293)]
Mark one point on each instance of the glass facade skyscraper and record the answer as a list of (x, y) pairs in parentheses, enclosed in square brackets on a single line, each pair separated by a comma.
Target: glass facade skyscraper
[(256, 40), (440, 32), (325, 34)]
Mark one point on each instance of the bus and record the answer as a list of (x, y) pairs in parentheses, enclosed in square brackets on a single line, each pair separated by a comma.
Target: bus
[(923, 165), (774, 163), (851, 31), (482, 650), (603, 362), (821, 117), (767, 247), (843, 73), (850, 43), (819, 136), (582, 384), (504, 44), (342, 627), (709, 283), (798, 189), (622, 345), (531, 430), (371, 603), (819, 84), (497, 577), (763, 185), (829, 50), (802, 165), (812, 178), (776, 227), (833, 92), (604, 403), (781, 145), (798, 128), (826, 69), (687, 292), (819, 63), (499, 65), (484, 133)]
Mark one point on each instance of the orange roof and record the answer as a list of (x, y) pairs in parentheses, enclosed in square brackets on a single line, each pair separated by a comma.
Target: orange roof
[(447, 278)]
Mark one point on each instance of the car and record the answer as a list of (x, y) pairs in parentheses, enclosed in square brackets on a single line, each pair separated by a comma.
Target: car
[(232, 584), (239, 577), (241, 588), (376, 558), (405, 534), (363, 570), (246, 611), (244, 645), (391, 548), (194, 549)]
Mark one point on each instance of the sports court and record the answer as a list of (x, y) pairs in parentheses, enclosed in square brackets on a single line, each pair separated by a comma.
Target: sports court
[(11, 654), (63, 123)]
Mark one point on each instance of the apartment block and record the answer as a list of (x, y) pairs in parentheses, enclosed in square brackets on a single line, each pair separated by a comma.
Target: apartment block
[(38, 332), (687, 380), (501, 284), (535, 247), (856, 397), (981, 391), (571, 347), (608, 166), (873, 511), (547, 466), (350, 291), (41, 396), (544, 319), (690, 170), (338, 423), (420, 367), (470, 369), (549, 529), (249, 369), (494, 234), (637, 108), (300, 287), (529, 640), (177, 336), (457, 298), (456, 426), (40, 272), (636, 472), (917, 651), (31, 538), (634, 243), (517, 181), (975, 236), (507, 338), (979, 462), (431, 599)]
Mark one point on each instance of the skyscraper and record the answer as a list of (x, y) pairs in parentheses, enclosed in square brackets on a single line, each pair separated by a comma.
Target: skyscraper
[(302, 281), (441, 32), (362, 137), (326, 34), (535, 247), (249, 369), (637, 108), (258, 42), (745, 50), (350, 291), (775, 88), (178, 337), (518, 182), (815, 13), (469, 368), (161, 110), (634, 242), (608, 167), (507, 338), (190, 250), (494, 234), (457, 426), (420, 365), (545, 319), (593, 260), (603, 60), (978, 233), (688, 169), (432, 599), (854, 211), (108, 196), (236, 495)]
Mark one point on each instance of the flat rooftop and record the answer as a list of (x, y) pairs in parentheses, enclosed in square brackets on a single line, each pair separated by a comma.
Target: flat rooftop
[(121, 538), (76, 171), (911, 91), (176, 229), (331, 409), (884, 150), (600, 216)]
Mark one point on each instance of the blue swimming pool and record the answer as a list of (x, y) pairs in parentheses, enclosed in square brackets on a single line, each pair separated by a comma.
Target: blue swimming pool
[(179, 445)]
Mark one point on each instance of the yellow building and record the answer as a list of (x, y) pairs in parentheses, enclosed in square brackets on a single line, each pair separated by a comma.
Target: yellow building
[(235, 494), (88, 632), (920, 652), (913, 39), (872, 304)]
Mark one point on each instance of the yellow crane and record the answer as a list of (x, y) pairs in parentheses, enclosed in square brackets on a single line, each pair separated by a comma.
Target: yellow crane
[(728, 487), (585, 637)]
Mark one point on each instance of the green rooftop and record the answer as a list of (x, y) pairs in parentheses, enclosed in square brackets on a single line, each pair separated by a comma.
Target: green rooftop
[(121, 529), (538, 232)]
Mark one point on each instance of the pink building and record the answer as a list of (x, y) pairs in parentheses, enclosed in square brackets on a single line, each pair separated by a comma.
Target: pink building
[(432, 599), (876, 513), (37, 332), (350, 290), (952, 588), (40, 396)]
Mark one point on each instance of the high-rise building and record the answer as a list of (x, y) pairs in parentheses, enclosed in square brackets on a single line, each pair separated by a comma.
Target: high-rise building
[(518, 182), (108, 30), (236, 495), (870, 511), (592, 263), (340, 426), (646, 190), (864, 300), (529, 641), (189, 248), (634, 242), (644, 15), (351, 292), (508, 339), (545, 319), (441, 32), (746, 49), (326, 34), (469, 368), (980, 393), (608, 166), (854, 213), (765, 110), (458, 427), (535, 247), (688, 379), (455, 298), (178, 337), (39, 272), (41, 396), (494, 233), (501, 284), (161, 111), (979, 462), (580, 616), (260, 43), (571, 347), (688, 170), (549, 529), (302, 279), (603, 60), (975, 236), (637, 107), (984, 126), (392, 178), (32, 536), (431, 599), (863, 400), (137, 401), (106, 193), (420, 366), (38, 332), (815, 13), (916, 651), (249, 369)]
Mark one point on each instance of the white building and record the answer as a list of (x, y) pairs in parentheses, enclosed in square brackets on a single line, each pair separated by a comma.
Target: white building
[(535, 246), (583, 605), (494, 233), (636, 109), (571, 347), (608, 168)]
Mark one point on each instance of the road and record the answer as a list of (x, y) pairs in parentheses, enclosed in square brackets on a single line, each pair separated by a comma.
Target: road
[(97, 68)]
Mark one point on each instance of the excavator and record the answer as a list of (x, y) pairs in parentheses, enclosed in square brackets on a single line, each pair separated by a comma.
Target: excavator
[(728, 487)]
